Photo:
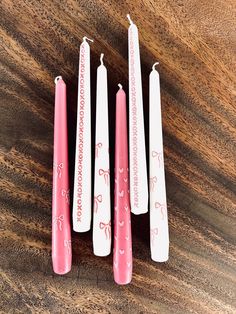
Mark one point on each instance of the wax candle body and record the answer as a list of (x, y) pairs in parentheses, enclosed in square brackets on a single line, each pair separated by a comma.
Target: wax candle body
[(159, 234), (137, 152), (82, 178), (102, 207), (122, 255), (61, 230)]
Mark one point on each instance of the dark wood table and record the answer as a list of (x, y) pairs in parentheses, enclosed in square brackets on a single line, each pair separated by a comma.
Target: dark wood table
[(195, 43)]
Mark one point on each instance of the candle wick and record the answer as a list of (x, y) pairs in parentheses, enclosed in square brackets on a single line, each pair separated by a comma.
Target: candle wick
[(153, 67), (120, 86), (131, 22), (86, 38), (57, 79), (101, 58)]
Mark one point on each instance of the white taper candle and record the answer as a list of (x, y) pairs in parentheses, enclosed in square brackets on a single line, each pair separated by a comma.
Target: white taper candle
[(82, 178), (102, 206), (137, 153), (159, 234)]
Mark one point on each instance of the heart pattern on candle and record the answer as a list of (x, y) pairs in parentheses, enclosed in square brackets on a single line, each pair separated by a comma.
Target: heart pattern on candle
[(97, 148), (121, 193), (121, 170), (159, 156), (59, 168), (153, 233), (107, 229), (67, 243), (66, 194), (97, 199), (162, 208), (105, 174), (121, 251), (58, 220), (121, 223), (152, 182)]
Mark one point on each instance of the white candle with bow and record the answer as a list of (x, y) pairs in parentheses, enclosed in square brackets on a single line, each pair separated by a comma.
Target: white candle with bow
[(159, 233), (82, 178), (137, 152), (102, 207)]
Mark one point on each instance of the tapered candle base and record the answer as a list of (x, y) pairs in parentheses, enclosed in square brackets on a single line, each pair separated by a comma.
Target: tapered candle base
[(61, 264), (123, 278)]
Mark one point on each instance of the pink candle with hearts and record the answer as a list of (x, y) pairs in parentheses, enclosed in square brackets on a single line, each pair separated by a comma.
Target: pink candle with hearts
[(61, 230), (122, 255)]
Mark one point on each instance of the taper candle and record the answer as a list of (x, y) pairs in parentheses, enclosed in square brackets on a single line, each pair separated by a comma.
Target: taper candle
[(102, 206), (137, 152), (122, 255), (82, 178), (159, 234), (61, 230)]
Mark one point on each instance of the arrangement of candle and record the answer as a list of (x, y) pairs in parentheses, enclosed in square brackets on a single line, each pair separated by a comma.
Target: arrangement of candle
[(130, 178)]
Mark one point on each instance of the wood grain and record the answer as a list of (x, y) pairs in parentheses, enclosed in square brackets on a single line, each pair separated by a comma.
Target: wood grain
[(195, 43)]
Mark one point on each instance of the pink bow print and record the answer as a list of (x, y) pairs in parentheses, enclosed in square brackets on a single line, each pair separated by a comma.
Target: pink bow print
[(98, 146), (58, 221), (152, 182), (153, 233), (107, 229), (162, 207), (97, 199), (106, 174), (58, 169), (159, 157), (66, 194), (67, 243)]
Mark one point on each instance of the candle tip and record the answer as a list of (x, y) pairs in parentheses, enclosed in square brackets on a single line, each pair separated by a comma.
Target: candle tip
[(57, 79), (120, 86), (86, 38), (129, 18), (153, 67), (101, 58)]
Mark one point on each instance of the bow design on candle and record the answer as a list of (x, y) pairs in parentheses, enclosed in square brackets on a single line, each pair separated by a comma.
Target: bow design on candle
[(159, 156), (58, 168), (67, 243), (152, 181), (58, 221), (97, 199), (153, 233), (107, 229), (162, 207), (105, 174), (98, 146), (66, 194)]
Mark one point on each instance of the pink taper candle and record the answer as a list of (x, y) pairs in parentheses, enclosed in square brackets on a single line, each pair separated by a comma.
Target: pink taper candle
[(122, 256), (61, 230)]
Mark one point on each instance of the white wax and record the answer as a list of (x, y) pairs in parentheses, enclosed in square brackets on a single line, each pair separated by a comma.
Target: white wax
[(82, 178), (159, 234), (102, 206), (137, 153)]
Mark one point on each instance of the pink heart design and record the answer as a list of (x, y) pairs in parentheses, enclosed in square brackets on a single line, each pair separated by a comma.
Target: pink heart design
[(127, 238), (126, 208), (115, 264), (121, 170), (121, 223), (126, 179), (122, 252), (121, 194), (128, 264)]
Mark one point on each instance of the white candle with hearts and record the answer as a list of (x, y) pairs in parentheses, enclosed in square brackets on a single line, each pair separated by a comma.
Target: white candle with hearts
[(137, 152), (159, 233), (102, 206), (82, 177)]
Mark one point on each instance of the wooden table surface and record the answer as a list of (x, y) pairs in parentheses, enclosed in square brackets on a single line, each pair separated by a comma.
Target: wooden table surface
[(195, 43)]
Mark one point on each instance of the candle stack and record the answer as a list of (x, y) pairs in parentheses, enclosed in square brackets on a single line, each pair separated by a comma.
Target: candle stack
[(130, 177)]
